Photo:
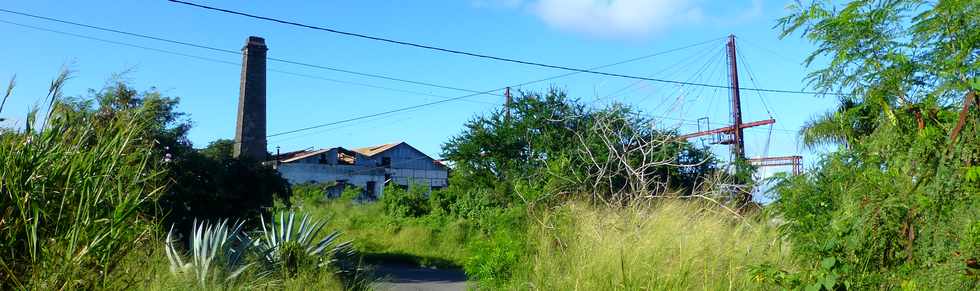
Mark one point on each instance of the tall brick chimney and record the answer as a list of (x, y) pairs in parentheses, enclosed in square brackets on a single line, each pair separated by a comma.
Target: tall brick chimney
[(250, 140)]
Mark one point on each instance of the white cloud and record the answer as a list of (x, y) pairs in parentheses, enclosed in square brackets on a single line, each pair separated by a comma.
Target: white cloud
[(615, 18)]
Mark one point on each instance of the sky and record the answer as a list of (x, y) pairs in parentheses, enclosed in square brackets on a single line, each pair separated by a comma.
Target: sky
[(572, 33)]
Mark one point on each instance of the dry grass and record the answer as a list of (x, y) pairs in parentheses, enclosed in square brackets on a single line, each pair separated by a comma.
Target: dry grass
[(670, 246)]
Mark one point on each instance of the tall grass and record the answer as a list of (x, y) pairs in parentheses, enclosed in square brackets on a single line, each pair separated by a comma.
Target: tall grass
[(71, 189), (431, 240), (668, 246)]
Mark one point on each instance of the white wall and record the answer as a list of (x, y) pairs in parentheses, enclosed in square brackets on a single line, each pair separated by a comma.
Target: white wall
[(298, 173)]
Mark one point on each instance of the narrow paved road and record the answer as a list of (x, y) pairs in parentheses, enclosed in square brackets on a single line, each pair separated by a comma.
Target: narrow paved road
[(407, 277)]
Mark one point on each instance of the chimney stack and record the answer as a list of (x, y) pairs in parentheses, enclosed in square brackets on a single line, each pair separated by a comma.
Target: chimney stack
[(250, 132)]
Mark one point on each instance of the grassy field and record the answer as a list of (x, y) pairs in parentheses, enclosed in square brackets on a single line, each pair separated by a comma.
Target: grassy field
[(669, 246), (574, 246), (430, 241)]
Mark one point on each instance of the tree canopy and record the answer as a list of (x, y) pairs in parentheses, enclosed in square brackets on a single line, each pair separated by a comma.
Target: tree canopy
[(896, 206)]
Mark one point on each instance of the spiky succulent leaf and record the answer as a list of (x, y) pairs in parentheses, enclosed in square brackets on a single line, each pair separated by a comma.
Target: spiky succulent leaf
[(276, 235)]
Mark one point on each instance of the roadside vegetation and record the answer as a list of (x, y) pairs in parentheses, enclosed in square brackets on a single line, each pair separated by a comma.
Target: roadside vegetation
[(595, 200), (104, 192)]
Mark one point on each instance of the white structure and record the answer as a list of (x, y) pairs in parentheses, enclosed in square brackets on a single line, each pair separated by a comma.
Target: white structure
[(369, 168)]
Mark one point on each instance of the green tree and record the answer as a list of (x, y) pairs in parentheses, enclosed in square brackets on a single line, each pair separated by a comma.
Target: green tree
[(889, 209), (553, 143), (220, 149), (201, 184)]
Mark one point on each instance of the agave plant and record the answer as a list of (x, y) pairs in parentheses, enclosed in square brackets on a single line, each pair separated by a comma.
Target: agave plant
[(216, 252), (286, 245)]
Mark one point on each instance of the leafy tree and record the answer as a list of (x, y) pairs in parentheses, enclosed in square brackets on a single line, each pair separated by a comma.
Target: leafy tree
[(550, 139), (888, 209), (221, 149), (202, 184)]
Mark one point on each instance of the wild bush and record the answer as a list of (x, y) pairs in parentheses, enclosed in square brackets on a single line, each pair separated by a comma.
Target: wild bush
[(894, 206), (73, 184), (211, 184), (413, 202), (552, 139)]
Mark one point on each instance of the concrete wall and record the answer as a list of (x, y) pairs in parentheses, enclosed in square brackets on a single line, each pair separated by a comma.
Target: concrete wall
[(298, 173), (408, 166), (436, 179)]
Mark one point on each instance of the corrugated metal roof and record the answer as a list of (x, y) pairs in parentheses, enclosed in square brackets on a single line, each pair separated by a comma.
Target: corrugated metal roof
[(370, 151), (305, 155)]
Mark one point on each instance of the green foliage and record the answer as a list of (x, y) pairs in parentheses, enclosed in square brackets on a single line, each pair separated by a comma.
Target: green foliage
[(72, 186), (310, 193), (553, 140), (413, 202), (492, 261), (284, 254), (217, 254), (895, 207), (290, 248), (351, 193), (205, 184), (219, 150), (85, 185), (210, 184)]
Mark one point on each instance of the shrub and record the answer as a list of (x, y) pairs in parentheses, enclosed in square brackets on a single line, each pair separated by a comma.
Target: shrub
[(413, 202), (494, 259), (310, 193)]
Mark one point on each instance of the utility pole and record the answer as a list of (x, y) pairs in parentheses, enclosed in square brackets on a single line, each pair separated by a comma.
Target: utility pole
[(734, 133), (738, 140), (507, 101), (277, 157)]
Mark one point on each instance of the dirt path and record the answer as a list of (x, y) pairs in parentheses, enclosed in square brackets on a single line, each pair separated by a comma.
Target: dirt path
[(405, 277)]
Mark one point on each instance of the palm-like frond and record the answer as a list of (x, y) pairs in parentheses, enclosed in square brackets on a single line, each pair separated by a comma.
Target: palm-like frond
[(217, 252), (850, 122), (276, 235), (826, 129)]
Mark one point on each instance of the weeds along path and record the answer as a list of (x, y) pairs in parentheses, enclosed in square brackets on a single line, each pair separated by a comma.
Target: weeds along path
[(404, 277)]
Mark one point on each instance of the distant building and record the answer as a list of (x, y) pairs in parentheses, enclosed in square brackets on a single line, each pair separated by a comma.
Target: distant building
[(369, 168)]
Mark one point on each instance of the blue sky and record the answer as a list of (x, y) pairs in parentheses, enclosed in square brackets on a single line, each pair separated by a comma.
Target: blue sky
[(575, 33)]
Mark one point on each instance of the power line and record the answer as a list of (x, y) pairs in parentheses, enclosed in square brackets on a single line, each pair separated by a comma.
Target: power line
[(484, 92), (119, 43), (668, 68), (211, 48), (475, 93), (224, 61), (479, 55)]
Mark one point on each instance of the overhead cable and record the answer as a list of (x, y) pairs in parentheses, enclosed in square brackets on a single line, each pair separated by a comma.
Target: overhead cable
[(480, 55)]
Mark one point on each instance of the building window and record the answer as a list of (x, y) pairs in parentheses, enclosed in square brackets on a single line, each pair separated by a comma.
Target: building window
[(385, 161), (323, 159)]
